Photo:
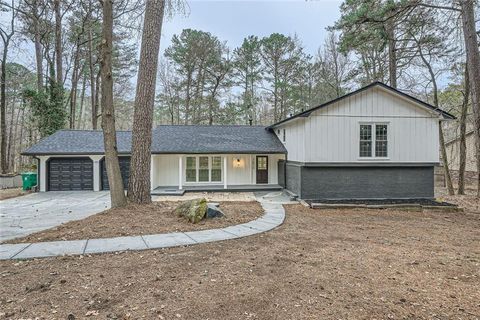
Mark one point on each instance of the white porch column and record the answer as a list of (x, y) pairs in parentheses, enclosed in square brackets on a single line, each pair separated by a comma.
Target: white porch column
[(42, 171), (152, 164), (96, 171), (180, 175), (251, 169), (225, 172)]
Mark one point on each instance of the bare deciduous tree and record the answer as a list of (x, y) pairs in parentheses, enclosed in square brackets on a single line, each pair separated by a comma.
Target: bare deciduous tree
[(6, 36), (117, 193), (473, 62), (463, 138), (58, 42)]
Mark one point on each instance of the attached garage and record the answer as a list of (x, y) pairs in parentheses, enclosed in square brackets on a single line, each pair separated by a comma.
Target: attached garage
[(70, 174), (124, 168)]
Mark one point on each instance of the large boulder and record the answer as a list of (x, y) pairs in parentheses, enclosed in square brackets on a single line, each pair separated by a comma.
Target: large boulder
[(194, 210), (213, 211)]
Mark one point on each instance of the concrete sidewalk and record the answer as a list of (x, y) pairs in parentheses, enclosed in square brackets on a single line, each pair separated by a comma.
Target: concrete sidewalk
[(273, 217)]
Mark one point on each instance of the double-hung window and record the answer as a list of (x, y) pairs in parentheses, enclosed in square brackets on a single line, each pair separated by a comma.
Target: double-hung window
[(203, 169), (373, 140), (191, 169), (216, 170)]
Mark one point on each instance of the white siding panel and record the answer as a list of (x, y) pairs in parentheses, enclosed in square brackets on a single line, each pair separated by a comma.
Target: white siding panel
[(239, 175), (295, 139), (166, 170), (331, 134)]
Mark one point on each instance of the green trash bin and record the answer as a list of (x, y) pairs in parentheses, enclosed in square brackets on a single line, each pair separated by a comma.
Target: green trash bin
[(29, 180)]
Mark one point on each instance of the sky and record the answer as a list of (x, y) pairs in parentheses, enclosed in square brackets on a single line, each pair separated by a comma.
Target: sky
[(232, 21)]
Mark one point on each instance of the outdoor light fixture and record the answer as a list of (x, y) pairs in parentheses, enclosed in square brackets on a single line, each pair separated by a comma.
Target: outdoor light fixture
[(237, 163)]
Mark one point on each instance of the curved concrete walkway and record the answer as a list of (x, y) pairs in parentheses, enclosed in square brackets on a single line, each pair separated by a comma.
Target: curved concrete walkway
[(273, 217)]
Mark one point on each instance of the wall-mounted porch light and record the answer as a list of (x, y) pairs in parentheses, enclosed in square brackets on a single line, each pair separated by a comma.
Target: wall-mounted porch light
[(238, 163)]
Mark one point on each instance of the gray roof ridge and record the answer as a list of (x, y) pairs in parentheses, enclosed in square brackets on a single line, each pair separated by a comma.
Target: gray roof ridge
[(210, 126), (89, 130)]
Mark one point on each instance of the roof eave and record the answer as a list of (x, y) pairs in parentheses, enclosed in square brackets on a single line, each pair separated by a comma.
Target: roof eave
[(154, 152)]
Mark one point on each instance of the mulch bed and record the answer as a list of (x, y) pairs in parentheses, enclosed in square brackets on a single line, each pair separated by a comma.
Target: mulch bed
[(422, 202), (132, 220), (320, 264)]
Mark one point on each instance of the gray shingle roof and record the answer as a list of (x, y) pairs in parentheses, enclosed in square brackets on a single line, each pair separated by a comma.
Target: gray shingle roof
[(78, 142), (215, 139), (166, 139)]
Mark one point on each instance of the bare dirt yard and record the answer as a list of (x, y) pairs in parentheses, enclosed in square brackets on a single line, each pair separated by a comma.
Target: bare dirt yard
[(158, 217), (11, 193), (320, 264)]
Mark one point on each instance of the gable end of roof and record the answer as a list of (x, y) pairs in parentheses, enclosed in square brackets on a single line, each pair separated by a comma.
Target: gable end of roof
[(308, 112)]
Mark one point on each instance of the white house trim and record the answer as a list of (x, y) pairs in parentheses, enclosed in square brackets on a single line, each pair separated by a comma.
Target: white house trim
[(42, 170), (96, 171), (180, 172), (225, 172)]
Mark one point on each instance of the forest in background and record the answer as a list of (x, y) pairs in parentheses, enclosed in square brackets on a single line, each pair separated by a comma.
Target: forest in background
[(415, 46)]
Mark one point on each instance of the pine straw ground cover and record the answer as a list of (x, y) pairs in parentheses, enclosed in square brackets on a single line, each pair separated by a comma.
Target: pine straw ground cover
[(469, 201), (133, 220), (11, 193), (320, 264)]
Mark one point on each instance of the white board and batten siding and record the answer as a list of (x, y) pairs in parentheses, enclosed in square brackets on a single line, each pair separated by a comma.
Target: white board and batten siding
[(166, 169), (332, 133), (294, 138)]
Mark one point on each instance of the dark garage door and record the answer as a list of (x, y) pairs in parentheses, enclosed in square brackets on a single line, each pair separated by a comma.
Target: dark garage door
[(70, 174), (124, 168)]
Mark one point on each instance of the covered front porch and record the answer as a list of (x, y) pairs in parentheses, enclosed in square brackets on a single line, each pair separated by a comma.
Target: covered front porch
[(175, 174), (175, 191)]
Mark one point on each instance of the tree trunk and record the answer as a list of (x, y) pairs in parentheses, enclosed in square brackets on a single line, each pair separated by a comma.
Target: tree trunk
[(38, 47), (463, 131), (448, 177), (10, 131), (187, 99), (139, 182), (3, 109), (92, 80), (16, 142), (117, 192), (96, 101), (82, 102), (392, 54), (473, 63), (22, 128), (58, 42), (73, 92), (443, 150)]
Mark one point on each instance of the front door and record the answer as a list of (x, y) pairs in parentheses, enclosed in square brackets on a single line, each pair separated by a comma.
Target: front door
[(262, 169)]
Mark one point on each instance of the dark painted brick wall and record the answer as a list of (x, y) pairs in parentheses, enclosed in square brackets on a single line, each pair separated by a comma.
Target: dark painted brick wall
[(281, 173), (293, 178), (364, 182)]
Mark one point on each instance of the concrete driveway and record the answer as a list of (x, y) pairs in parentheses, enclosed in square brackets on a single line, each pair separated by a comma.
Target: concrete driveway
[(38, 211)]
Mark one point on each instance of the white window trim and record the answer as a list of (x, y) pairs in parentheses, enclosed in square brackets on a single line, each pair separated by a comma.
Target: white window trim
[(197, 168), (374, 137)]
